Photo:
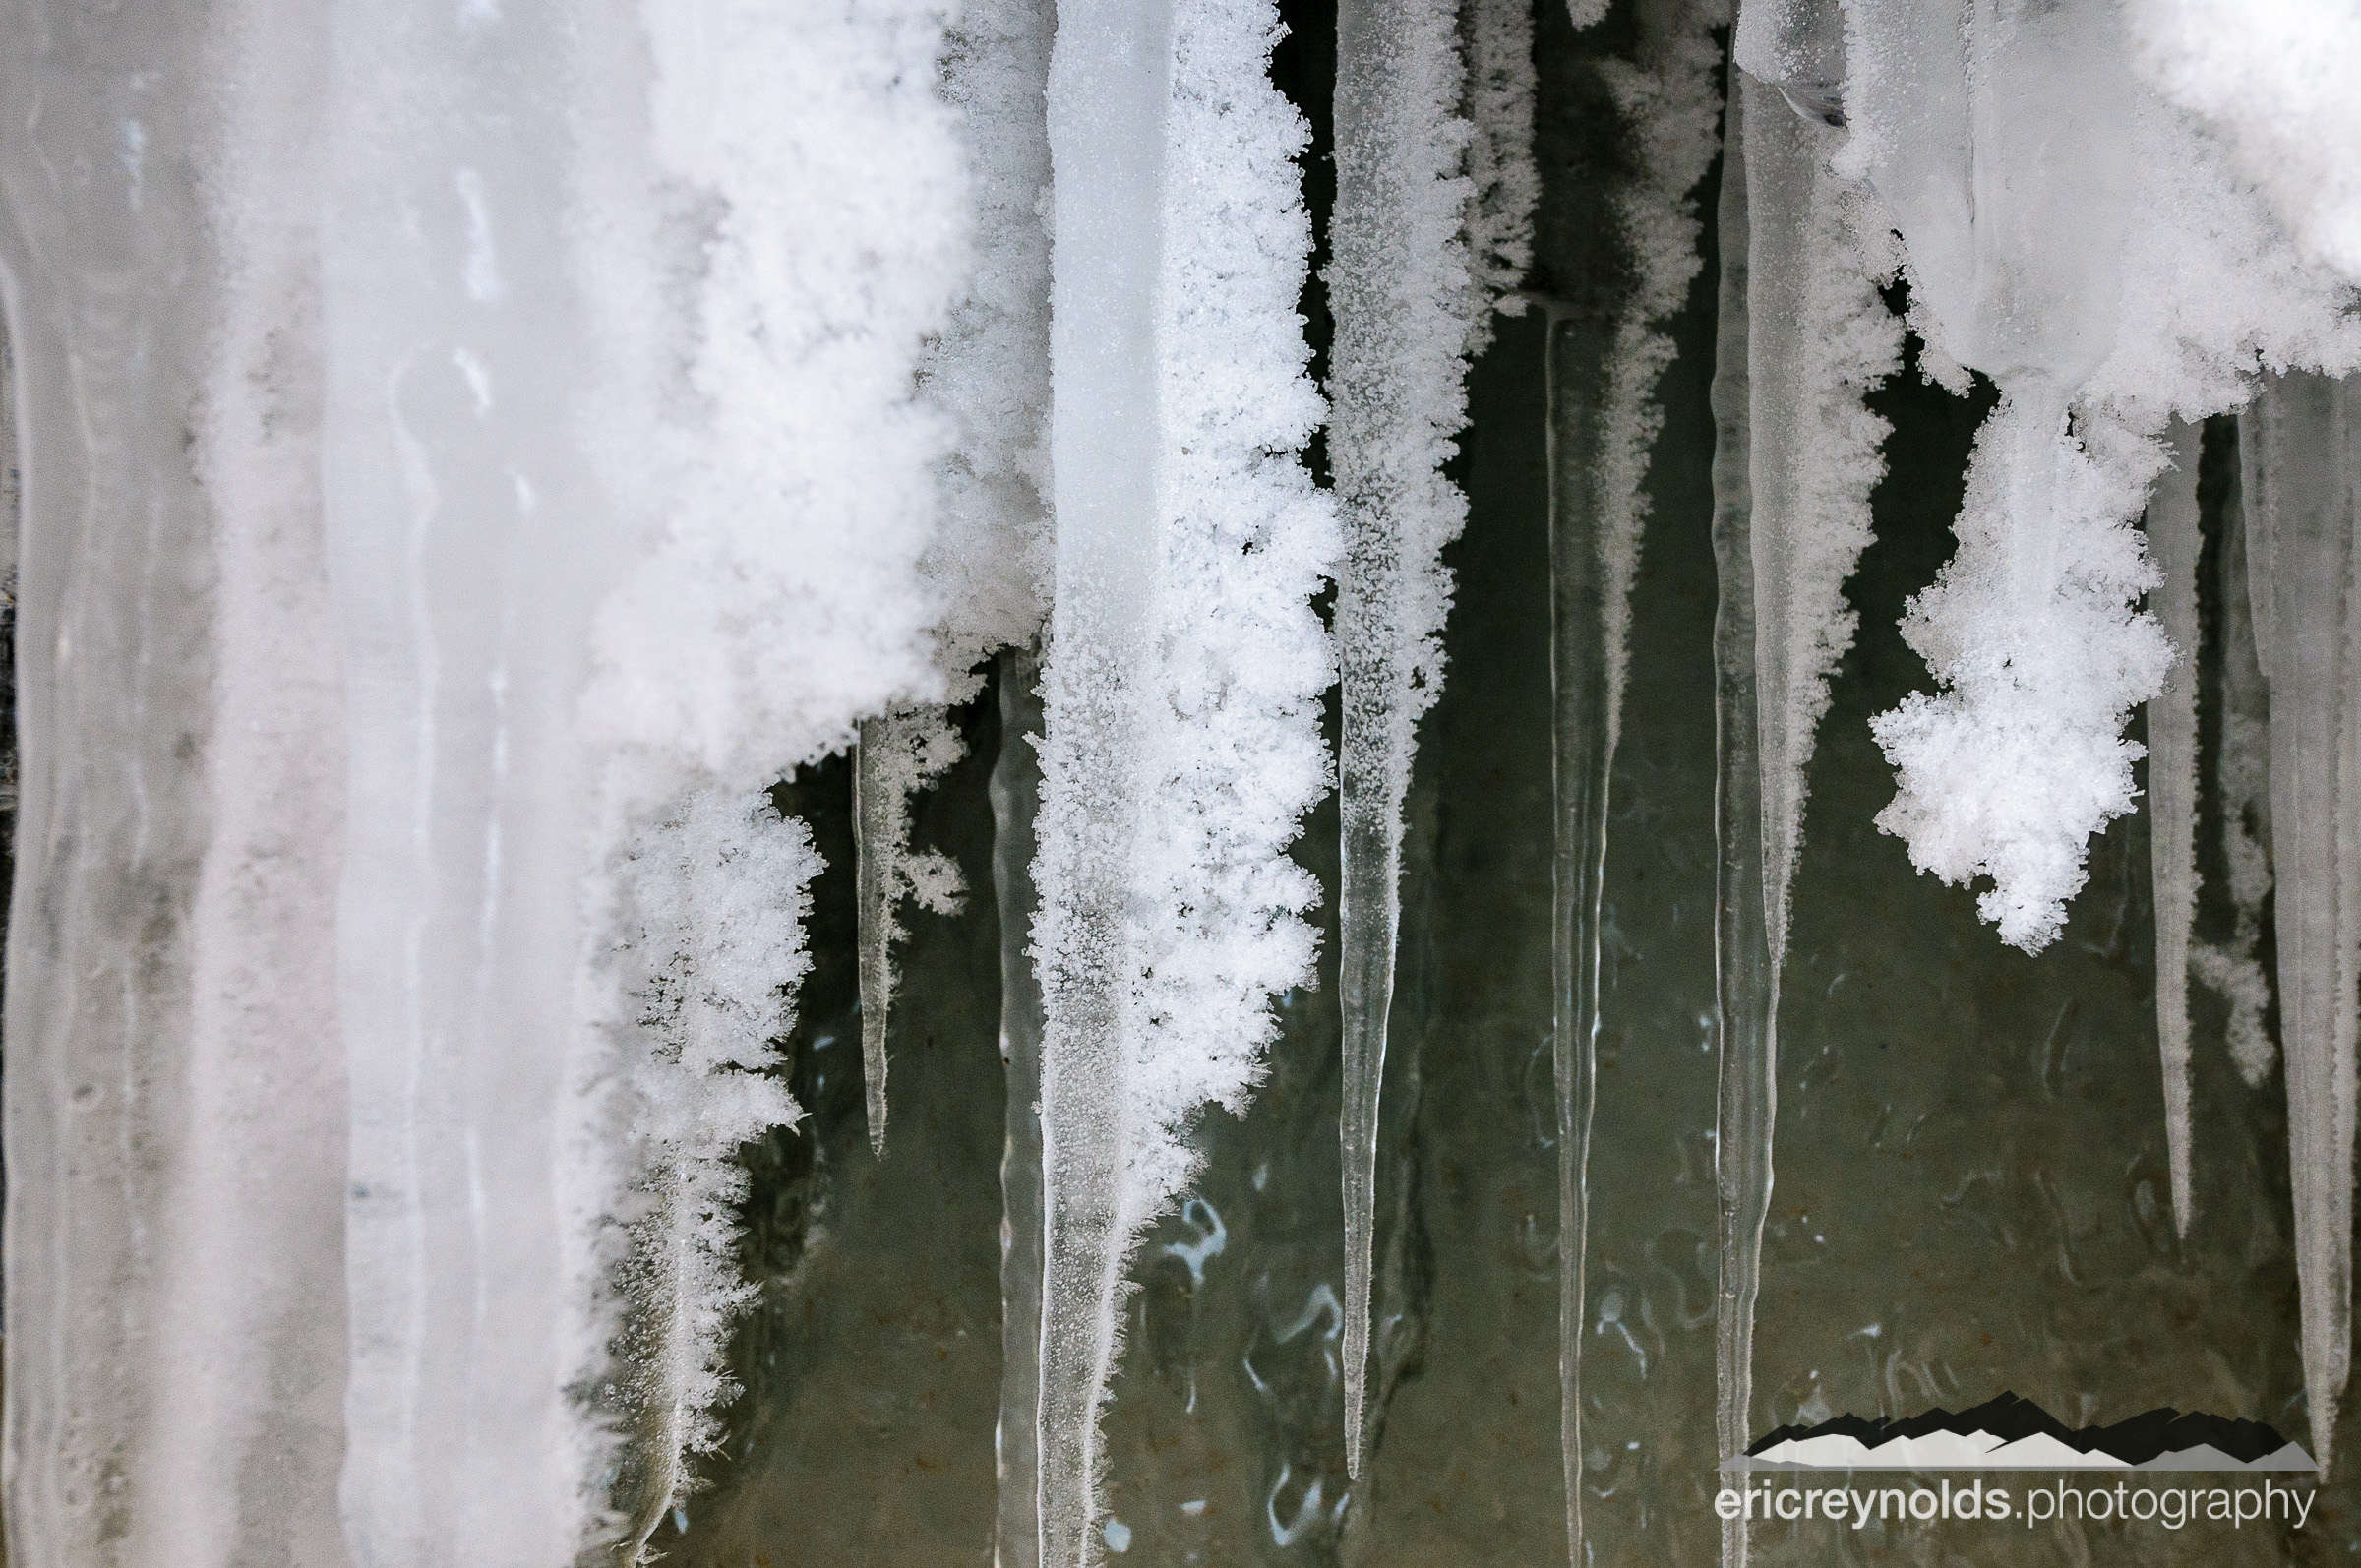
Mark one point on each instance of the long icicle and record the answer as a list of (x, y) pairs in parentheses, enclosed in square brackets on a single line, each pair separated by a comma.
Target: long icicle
[(1805, 335), (2293, 458), (1602, 366), (1400, 291), (1742, 982), (1015, 800), (1582, 755), (2172, 537)]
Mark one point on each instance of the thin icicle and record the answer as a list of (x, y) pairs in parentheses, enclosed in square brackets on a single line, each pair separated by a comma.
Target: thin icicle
[(894, 758), (1016, 803), (2172, 535), (1603, 420), (2298, 461), (1186, 663), (1402, 295), (2242, 774), (1744, 980)]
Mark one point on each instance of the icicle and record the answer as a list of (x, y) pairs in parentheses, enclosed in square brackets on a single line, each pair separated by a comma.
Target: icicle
[(2298, 458), (1744, 981), (990, 368), (1805, 335), (1109, 87), (2172, 533), (1015, 802), (1402, 298), (1820, 340), (894, 758), (1582, 579), (714, 900), (2242, 774), (1603, 418), (577, 602), (1186, 665)]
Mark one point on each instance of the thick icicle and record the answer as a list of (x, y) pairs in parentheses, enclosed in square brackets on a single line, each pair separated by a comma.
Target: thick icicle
[(2298, 460), (1016, 803), (1820, 339), (1186, 664), (1401, 294), (1743, 976), (895, 756), (592, 556), (1602, 370), (1805, 336), (2172, 535), (1109, 91)]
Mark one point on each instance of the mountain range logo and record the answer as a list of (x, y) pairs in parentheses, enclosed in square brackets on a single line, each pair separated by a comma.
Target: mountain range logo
[(2013, 1433)]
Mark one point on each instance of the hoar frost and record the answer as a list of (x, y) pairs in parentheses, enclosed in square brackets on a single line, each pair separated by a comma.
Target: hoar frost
[(2104, 293)]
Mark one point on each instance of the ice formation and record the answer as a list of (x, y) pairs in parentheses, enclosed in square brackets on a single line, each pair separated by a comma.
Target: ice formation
[(1016, 803), (1744, 977), (1186, 664), (1804, 337), (2172, 532), (476, 454), (1602, 371), (2104, 294), (2299, 451), (1410, 200)]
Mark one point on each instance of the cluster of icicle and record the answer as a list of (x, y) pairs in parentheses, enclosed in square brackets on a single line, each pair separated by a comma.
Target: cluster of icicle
[(472, 453)]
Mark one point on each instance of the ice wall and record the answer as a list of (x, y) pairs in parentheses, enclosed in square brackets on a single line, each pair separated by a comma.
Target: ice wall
[(555, 475)]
